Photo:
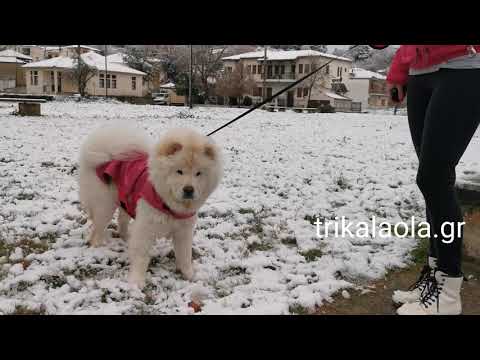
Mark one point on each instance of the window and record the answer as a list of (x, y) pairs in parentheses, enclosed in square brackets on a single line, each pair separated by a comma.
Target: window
[(260, 69), (282, 69), (299, 92), (292, 69), (254, 69), (269, 92), (114, 81), (300, 68), (307, 68), (101, 81), (249, 69), (257, 91), (108, 81), (305, 92), (229, 69), (34, 78), (134, 83), (277, 69), (345, 69)]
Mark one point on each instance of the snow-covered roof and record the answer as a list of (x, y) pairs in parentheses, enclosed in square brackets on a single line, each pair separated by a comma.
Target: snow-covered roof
[(169, 85), (91, 58), (10, 59), (10, 52), (358, 73), (57, 48), (284, 55), (333, 95), (83, 47), (117, 58)]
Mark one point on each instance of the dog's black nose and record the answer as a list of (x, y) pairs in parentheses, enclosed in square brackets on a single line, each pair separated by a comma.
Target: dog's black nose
[(188, 192)]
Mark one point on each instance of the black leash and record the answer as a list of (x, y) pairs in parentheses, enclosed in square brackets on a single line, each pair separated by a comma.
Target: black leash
[(279, 93)]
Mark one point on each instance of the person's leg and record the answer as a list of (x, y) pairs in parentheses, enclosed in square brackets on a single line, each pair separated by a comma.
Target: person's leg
[(451, 120), (420, 90)]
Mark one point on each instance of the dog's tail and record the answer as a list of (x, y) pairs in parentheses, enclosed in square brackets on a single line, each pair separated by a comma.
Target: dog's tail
[(113, 143)]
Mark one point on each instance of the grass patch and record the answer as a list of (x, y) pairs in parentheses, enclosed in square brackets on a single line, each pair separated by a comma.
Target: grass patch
[(23, 310), (259, 246), (83, 273), (54, 281), (234, 271), (28, 246), (289, 241), (342, 183), (420, 252), (312, 254), (246, 211), (298, 309)]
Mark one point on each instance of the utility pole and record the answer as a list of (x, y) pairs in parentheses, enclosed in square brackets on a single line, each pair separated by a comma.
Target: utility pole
[(79, 75), (265, 73), (106, 87), (190, 78)]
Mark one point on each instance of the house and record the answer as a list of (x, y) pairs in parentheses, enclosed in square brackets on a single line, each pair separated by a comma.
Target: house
[(39, 52), (12, 75), (156, 77), (282, 67), (369, 88), (54, 76)]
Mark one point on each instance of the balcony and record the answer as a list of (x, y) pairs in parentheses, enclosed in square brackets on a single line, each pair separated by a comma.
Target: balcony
[(285, 76)]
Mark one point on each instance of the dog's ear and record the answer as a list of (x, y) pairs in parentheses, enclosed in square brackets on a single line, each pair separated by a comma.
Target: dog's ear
[(169, 148), (210, 151)]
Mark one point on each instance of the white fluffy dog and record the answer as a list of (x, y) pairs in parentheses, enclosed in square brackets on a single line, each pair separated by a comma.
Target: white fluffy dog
[(161, 185)]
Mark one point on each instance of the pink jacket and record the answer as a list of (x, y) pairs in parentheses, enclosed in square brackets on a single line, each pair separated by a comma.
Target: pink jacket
[(423, 56), (131, 179)]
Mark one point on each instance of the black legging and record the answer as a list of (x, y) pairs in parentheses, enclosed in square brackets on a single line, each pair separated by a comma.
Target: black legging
[(443, 114)]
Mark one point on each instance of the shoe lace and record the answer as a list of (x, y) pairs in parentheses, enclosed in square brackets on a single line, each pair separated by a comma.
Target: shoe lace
[(422, 279), (431, 292)]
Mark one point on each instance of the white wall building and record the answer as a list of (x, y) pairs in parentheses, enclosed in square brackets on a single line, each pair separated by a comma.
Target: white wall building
[(54, 76), (367, 87), (282, 67)]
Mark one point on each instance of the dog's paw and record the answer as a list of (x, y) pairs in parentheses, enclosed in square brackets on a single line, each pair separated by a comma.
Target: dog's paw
[(136, 280), (188, 273), (95, 240)]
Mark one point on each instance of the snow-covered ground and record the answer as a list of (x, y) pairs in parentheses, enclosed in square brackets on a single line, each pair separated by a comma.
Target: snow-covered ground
[(255, 249)]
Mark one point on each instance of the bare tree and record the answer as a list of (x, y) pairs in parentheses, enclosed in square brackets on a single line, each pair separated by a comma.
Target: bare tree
[(235, 84), (316, 81), (82, 73), (174, 60), (207, 63)]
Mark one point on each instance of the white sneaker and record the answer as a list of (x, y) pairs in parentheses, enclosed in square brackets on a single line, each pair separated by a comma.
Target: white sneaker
[(414, 291), (441, 296)]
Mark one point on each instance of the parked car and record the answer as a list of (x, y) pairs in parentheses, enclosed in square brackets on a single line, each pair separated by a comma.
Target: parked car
[(168, 97), (161, 98)]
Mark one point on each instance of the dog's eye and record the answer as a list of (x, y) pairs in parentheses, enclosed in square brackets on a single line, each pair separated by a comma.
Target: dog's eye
[(198, 173), (180, 172)]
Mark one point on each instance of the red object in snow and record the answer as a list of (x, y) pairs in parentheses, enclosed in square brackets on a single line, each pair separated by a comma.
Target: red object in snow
[(196, 307)]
